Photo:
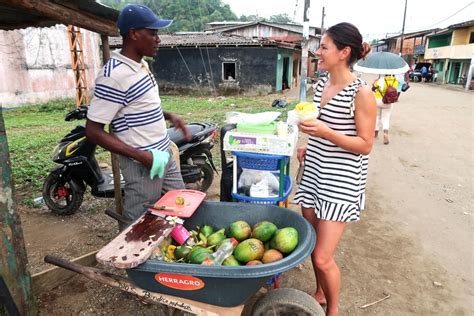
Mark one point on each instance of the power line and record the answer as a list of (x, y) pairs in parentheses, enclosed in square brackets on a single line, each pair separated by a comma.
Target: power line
[(428, 27)]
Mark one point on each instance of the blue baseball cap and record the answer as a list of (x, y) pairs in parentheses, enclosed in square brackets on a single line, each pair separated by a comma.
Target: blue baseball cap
[(137, 16)]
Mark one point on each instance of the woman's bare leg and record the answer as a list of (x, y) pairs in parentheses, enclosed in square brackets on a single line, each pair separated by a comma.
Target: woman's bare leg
[(329, 235), (309, 214)]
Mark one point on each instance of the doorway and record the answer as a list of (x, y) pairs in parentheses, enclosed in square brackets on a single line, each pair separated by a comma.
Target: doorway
[(284, 79)]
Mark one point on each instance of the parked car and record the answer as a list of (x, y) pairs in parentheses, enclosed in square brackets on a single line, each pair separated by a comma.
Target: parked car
[(415, 74)]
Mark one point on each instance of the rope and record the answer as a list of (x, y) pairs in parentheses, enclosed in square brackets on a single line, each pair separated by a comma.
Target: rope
[(190, 73)]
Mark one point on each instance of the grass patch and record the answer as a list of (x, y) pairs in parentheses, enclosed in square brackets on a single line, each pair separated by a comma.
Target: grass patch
[(33, 131)]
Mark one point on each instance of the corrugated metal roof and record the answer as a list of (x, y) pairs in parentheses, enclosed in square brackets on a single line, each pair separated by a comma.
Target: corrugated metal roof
[(190, 39), (292, 27), (451, 28)]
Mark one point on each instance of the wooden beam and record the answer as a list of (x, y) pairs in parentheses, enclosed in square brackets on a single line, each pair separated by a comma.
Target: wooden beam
[(51, 278), (65, 15), (114, 158), (13, 259)]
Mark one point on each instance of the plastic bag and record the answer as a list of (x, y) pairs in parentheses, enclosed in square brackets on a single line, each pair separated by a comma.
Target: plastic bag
[(256, 118), (259, 182)]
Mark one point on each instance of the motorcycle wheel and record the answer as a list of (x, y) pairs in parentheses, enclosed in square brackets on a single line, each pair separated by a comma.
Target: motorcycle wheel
[(61, 198), (207, 176)]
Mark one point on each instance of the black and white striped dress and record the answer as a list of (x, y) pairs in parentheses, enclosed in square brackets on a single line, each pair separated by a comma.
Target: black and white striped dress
[(334, 179)]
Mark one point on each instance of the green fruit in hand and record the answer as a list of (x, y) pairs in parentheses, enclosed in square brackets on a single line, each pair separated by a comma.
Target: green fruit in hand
[(206, 230), (216, 238), (240, 230), (230, 261), (285, 240), (264, 230)]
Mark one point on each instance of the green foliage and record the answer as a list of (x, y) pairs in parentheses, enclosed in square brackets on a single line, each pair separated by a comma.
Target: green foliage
[(188, 15), (250, 18), (280, 18), (34, 131)]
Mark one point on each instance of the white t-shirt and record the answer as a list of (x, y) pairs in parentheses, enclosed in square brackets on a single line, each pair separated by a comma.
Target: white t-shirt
[(126, 96)]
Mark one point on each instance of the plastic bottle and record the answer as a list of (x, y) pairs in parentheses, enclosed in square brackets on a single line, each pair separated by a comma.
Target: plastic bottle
[(224, 251), (182, 235)]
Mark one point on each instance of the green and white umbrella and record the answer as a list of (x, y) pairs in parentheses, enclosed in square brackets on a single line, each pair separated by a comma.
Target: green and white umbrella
[(382, 63)]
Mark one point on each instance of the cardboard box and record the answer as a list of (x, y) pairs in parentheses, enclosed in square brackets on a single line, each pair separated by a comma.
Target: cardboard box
[(262, 143)]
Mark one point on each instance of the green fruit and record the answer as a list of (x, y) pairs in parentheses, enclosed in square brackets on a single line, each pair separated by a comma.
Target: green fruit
[(240, 230), (267, 245), (285, 240), (248, 250), (230, 261), (182, 252), (198, 254), (272, 241), (206, 230), (271, 255), (264, 230), (216, 238)]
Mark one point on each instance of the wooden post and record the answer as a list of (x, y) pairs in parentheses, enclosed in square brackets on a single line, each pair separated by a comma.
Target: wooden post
[(114, 158), (13, 259)]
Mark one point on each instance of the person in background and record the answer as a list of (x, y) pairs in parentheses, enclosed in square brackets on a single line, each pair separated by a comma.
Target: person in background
[(332, 188), (424, 73), (384, 110), (126, 97)]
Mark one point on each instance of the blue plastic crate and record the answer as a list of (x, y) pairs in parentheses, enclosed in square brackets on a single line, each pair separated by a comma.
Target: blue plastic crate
[(288, 183), (260, 161)]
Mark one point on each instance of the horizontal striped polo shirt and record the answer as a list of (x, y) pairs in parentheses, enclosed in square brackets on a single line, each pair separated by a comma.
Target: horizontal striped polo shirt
[(126, 96)]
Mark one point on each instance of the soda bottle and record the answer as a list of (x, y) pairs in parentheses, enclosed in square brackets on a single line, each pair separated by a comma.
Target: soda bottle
[(224, 251)]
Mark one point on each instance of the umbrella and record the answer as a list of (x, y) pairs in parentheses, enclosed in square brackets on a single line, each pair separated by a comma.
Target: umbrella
[(382, 63)]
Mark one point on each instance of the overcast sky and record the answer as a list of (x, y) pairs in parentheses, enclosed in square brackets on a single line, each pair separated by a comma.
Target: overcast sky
[(374, 18)]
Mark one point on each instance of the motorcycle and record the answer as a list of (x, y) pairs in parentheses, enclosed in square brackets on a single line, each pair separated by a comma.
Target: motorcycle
[(77, 166)]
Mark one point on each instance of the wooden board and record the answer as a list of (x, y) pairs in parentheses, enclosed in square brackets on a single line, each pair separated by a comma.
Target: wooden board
[(135, 244), (49, 279)]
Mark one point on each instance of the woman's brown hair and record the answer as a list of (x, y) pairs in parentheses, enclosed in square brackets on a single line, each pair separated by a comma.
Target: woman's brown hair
[(347, 35)]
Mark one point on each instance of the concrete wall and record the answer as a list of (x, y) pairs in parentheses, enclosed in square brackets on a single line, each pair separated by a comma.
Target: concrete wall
[(255, 70), (461, 36), (36, 67), (450, 52)]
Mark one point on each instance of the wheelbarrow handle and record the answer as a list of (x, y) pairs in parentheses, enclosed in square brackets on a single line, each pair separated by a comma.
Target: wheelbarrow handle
[(126, 285)]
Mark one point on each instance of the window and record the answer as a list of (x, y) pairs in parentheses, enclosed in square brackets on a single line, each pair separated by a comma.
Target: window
[(440, 40), (228, 71), (471, 38)]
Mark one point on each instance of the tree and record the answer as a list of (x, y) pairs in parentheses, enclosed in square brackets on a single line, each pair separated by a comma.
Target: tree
[(280, 18), (250, 18), (187, 15)]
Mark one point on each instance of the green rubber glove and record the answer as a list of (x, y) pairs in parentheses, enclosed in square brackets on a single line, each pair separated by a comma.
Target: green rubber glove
[(160, 160)]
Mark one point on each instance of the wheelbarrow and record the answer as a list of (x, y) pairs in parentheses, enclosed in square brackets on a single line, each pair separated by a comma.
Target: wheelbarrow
[(218, 290)]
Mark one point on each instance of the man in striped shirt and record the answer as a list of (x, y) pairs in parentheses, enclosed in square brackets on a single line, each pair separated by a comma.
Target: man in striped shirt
[(126, 97)]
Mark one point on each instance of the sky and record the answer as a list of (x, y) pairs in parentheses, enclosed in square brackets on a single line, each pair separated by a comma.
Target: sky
[(375, 18)]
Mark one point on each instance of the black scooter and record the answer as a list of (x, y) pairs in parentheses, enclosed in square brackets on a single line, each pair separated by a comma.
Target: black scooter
[(64, 187)]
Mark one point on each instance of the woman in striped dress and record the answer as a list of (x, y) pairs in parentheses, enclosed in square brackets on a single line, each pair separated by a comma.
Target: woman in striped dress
[(332, 189)]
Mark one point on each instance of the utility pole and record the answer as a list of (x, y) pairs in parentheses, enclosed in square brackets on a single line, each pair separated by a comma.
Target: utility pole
[(304, 52), (403, 27), (322, 26)]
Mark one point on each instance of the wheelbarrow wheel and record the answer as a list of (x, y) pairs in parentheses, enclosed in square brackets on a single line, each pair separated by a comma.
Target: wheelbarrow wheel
[(287, 302)]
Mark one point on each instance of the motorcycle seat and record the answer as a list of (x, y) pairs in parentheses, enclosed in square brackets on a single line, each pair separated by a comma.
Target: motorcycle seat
[(177, 136)]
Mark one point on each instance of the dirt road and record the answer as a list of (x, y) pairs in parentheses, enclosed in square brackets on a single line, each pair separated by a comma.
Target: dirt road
[(414, 241)]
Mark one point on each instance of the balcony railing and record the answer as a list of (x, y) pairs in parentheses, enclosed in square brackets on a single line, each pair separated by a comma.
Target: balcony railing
[(419, 49)]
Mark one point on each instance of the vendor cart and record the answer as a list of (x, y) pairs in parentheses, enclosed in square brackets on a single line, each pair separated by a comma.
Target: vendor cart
[(218, 290)]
